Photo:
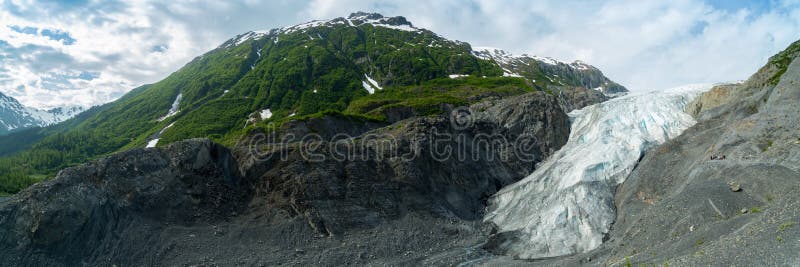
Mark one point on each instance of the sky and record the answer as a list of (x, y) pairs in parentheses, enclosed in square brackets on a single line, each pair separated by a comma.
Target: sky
[(85, 52)]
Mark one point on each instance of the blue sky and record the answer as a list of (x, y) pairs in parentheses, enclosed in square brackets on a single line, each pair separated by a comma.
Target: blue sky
[(57, 53)]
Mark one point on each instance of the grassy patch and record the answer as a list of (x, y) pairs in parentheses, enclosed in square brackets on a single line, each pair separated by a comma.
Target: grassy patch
[(782, 60), (427, 98), (755, 210), (785, 226)]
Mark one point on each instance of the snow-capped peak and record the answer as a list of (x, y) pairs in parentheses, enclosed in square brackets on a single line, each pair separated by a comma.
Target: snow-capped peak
[(312, 24), (502, 56), (15, 116), (378, 20), (492, 53), (354, 20)]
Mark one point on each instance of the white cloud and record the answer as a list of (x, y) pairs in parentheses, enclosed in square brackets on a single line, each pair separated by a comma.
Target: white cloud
[(642, 44)]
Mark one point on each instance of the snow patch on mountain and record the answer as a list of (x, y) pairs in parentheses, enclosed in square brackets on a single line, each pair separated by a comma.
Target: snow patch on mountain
[(152, 143), (174, 109), (502, 56), (354, 20), (368, 87), (251, 35), (157, 137), (566, 205), (312, 24), (377, 20), (373, 82), (370, 84), (265, 114)]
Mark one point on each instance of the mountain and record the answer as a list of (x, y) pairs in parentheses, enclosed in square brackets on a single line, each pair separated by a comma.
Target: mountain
[(549, 72), (483, 169), (14, 116), (364, 66), (391, 88)]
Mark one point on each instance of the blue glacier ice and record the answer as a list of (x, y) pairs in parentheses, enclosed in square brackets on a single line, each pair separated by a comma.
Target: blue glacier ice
[(566, 205)]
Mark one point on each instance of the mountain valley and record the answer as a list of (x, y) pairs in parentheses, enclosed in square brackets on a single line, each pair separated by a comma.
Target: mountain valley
[(365, 140)]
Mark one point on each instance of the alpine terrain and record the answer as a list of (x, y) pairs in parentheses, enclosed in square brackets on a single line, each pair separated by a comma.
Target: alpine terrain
[(15, 116), (364, 140)]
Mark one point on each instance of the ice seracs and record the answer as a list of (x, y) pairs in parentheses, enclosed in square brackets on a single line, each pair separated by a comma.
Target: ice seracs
[(566, 205)]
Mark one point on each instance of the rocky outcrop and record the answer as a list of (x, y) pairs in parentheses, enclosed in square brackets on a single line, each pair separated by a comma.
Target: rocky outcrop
[(382, 175), (717, 96), (109, 211), (572, 98)]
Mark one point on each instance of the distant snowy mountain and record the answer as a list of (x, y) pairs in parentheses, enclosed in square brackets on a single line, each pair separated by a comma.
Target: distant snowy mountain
[(546, 70), (15, 116)]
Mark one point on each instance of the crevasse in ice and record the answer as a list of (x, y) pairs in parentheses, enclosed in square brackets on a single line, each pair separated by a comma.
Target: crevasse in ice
[(566, 205)]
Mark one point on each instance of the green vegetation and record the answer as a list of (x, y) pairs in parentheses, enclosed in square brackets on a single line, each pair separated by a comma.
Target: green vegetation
[(304, 76), (782, 60), (785, 226), (752, 109), (755, 210), (299, 74), (427, 98)]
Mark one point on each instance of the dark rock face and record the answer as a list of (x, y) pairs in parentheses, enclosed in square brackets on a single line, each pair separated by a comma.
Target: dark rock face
[(106, 209), (395, 170), (195, 202), (586, 75), (572, 98)]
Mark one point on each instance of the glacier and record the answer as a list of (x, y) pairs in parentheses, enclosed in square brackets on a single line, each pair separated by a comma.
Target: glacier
[(566, 205)]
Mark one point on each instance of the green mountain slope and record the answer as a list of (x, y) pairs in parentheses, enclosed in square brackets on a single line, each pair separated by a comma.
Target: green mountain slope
[(274, 76)]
